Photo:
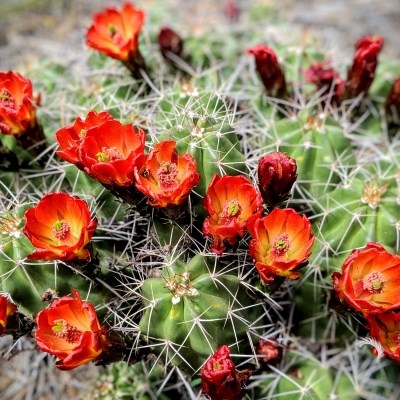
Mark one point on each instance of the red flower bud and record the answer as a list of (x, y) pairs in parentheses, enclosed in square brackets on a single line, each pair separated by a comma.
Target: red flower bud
[(219, 378), (60, 227), (269, 70), (231, 10), (230, 201), (393, 103), (269, 352), (170, 43), (167, 178), (70, 330), (362, 72), (326, 79), (370, 280), (276, 176), (281, 243), (17, 104), (7, 309)]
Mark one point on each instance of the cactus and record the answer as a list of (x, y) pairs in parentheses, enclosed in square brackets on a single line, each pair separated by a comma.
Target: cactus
[(166, 302)]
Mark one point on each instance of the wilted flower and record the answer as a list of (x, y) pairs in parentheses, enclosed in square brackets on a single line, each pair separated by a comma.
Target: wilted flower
[(269, 70), (116, 34), (327, 79), (219, 378), (170, 43), (370, 280), (276, 176), (71, 137), (362, 72), (17, 104), (70, 330), (385, 328), (60, 228), (110, 152), (7, 309), (281, 243), (167, 178), (230, 201)]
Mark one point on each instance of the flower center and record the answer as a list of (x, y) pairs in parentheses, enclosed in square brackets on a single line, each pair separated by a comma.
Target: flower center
[(216, 366), (62, 329), (108, 154), (82, 133), (61, 229), (281, 245), (112, 30), (231, 209), (7, 99), (373, 282), (167, 174)]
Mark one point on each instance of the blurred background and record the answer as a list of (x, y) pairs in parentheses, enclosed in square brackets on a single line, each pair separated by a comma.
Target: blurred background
[(33, 29)]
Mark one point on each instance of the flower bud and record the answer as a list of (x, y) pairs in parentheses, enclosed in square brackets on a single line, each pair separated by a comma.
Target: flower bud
[(362, 72), (219, 378), (269, 70), (276, 176), (269, 352), (231, 10), (170, 43), (393, 104)]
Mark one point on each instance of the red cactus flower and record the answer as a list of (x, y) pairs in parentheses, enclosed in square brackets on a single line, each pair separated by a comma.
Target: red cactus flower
[(393, 103), (276, 176), (325, 77), (167, 178), (370, 280), (230, 201), (269, 70), (7, 309), (17, 104), (60, 228), (170, 42), (110, 152), (281, 243), (362, 72), (219, 378), (116, 33), (70, 330), (385, 328), (70, 137)]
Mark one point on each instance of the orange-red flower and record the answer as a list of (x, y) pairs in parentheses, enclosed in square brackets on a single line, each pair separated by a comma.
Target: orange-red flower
[(70, 137), (167, 178), (6, 310), (60, 227), (219, 378), (70, 330), (362, 72), (17, 104), (110, 152), (230, 201), (116, 33), (281, 243), (269, 70), (385, 328), (370, 280)]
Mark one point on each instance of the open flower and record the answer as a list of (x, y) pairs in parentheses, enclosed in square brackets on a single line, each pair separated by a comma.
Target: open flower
[(60, 227), (230, 201), (70, 137), (70, 330), (219, 378), (17, 104), (7, 309), (110, 152), (116, 34), (362, 72), (167, 178), (281, 243), (385, 328), (276, 176), (269, 70), (370, 280)]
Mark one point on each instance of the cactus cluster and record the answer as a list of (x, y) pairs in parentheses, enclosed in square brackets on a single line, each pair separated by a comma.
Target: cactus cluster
[(148, 221)]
